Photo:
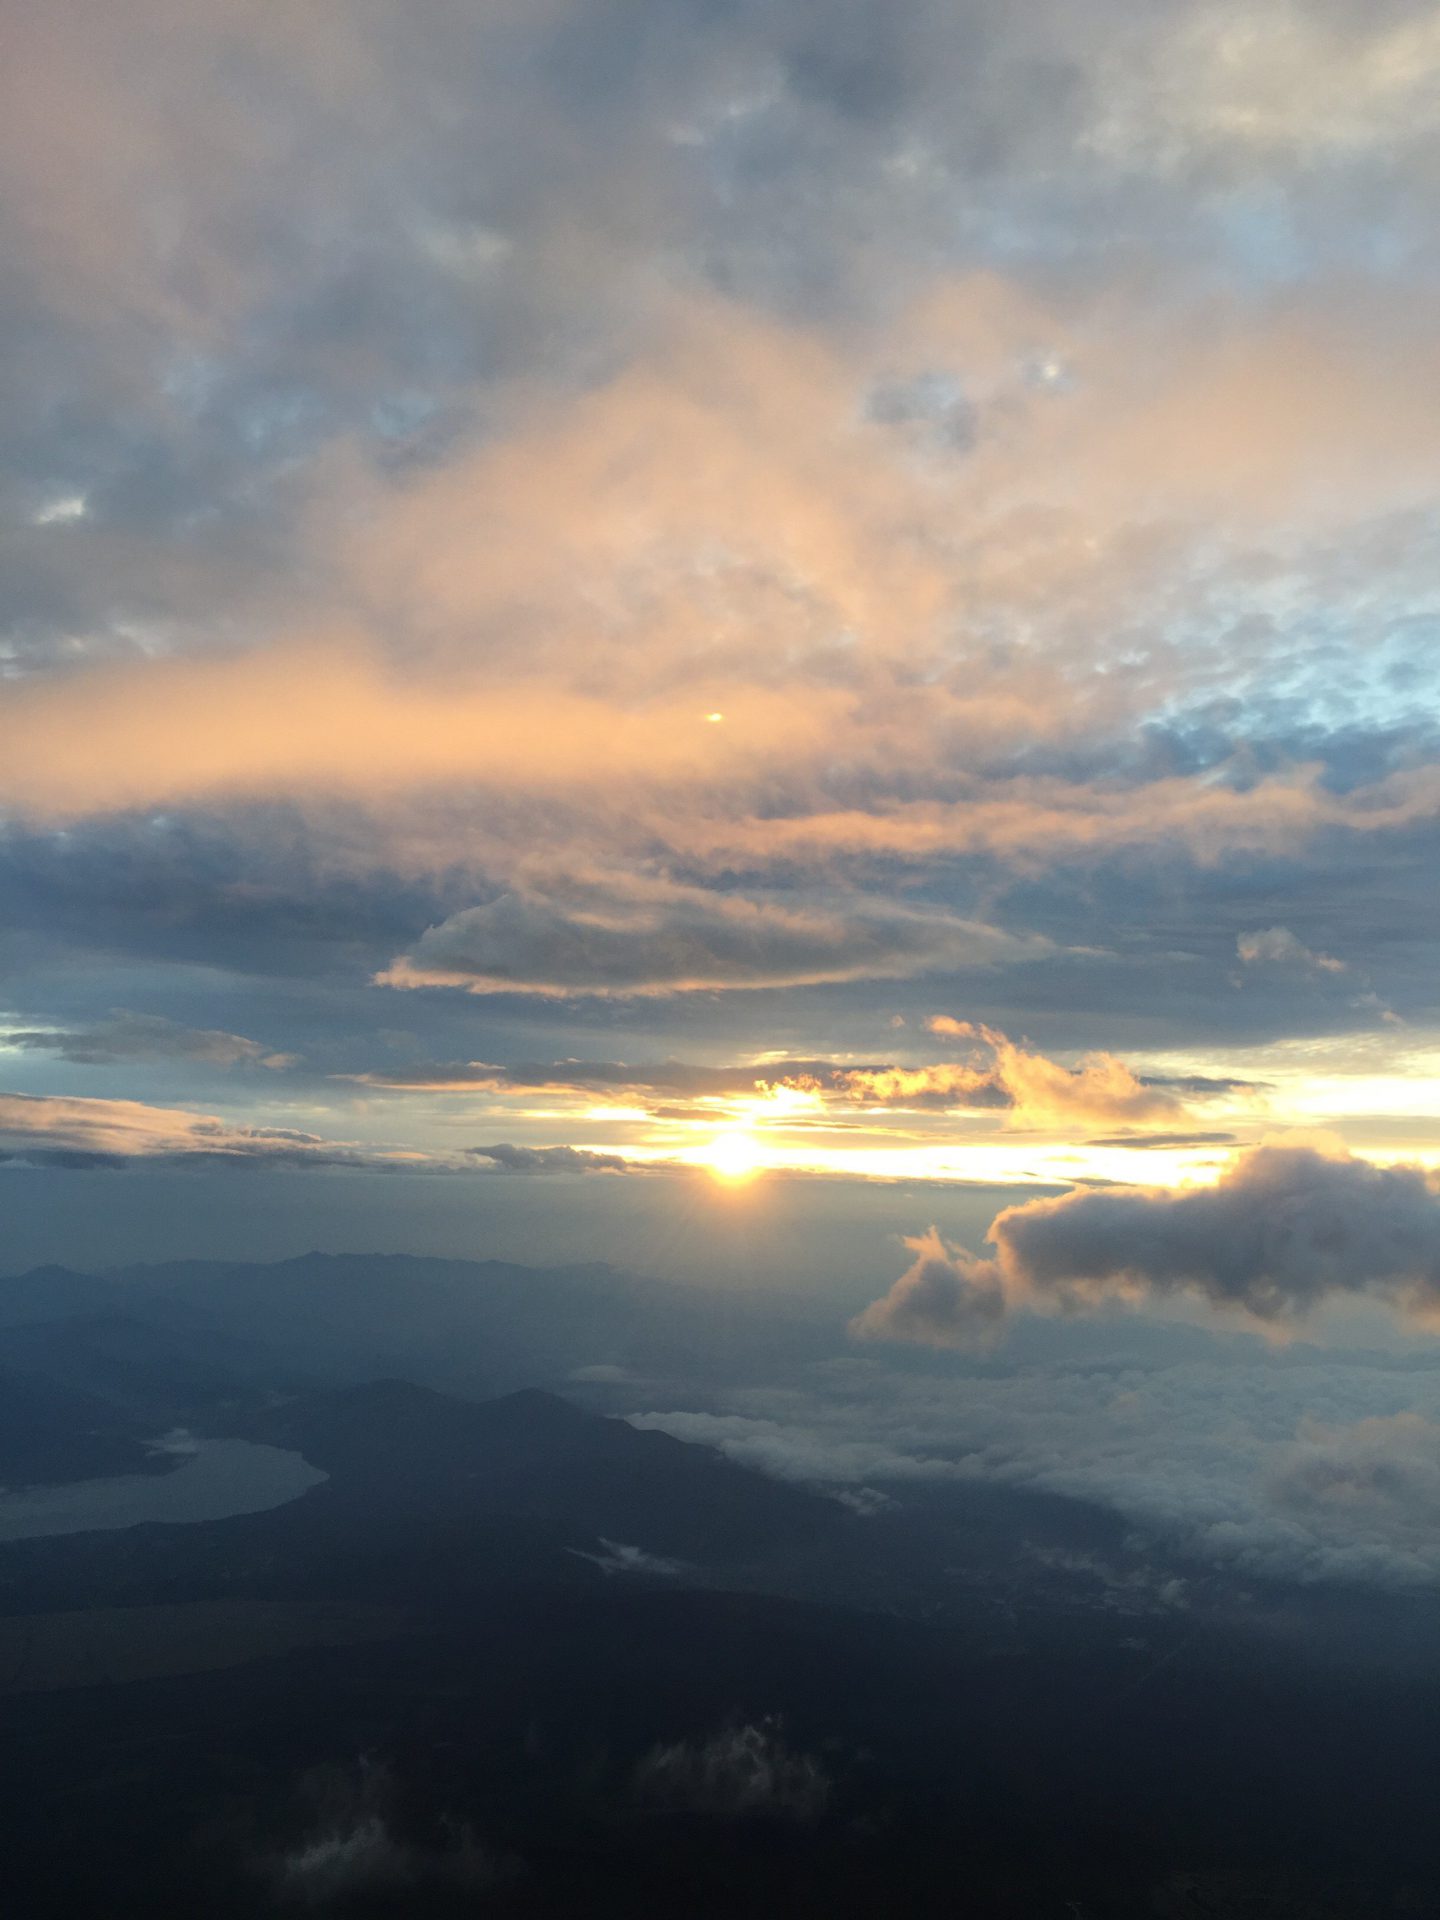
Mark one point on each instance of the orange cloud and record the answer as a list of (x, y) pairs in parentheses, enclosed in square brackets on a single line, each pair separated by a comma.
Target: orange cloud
[(1037, 1091), (721, 527), (329, 718)]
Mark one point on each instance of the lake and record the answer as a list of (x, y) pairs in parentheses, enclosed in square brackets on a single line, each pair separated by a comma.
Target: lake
[(218, 1478)]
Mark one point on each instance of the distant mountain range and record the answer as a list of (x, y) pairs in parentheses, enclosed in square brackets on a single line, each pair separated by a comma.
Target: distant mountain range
[(217, 1330)]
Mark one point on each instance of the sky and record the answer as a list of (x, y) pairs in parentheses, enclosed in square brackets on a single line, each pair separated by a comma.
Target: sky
[(626, 620)]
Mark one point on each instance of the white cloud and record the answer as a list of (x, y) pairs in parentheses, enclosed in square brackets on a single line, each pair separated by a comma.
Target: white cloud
[(616, 1557), (62, 511)]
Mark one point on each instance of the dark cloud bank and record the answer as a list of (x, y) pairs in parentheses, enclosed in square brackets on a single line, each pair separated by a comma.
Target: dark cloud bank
[(1284, 1229)]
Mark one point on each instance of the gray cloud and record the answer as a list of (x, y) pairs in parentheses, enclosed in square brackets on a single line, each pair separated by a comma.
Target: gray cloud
[(506, 1158), (1279, 947), (945, 1298), (351, 1852), (603, 1076), (84, 1134), (65, 1159), (1367, 1494), (1157, 1142), (141, 1036), (1283, 1229), (669, 939), (742, 1772)]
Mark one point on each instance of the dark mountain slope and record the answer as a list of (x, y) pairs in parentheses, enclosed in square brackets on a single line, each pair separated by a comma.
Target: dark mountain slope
[(534, 1456)]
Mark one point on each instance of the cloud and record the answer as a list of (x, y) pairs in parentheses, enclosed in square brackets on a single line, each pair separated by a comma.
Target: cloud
[(603, 1373), (351, 1851), (616, 1557), (945, 1298), (1132, 1589), (330, 717), (83, 1133), (1038, 822), (505, 1158), (357, 1859), (670, 1077), (1158, 1142), (1100, 1088), (1281, 1230), (747, 1771), (1284, 1228), (788, 1451), (65, 1159), (1367, 1494), (1279, 1464), (1020, 423), (1297, 83), (1031, 1089), (702, 499), (1038, 1091), (661, 938), (1277, 946), (946, 1086), (140, 1036)]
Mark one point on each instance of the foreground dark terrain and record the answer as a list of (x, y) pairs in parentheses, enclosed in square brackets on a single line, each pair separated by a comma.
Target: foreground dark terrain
[(514, 1657)]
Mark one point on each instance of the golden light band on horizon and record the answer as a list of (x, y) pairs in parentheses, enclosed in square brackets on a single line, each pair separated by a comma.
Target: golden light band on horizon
[(998, 1114)]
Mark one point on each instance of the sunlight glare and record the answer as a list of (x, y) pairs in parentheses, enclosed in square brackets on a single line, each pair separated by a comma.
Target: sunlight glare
[(733, 1157)]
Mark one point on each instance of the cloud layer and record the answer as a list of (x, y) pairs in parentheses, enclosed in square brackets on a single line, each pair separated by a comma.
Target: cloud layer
[(1293, 1466)]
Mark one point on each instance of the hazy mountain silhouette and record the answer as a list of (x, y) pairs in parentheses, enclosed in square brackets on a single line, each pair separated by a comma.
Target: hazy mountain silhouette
[(51, 1433), (479, 1327)]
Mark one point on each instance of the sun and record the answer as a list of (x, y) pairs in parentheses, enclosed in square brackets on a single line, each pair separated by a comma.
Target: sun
[(733, 1156)]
